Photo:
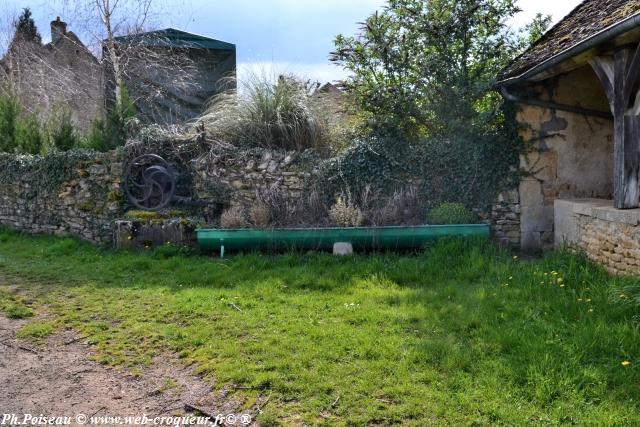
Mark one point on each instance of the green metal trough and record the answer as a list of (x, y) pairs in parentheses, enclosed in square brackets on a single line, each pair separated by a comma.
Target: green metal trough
[(364, 238)]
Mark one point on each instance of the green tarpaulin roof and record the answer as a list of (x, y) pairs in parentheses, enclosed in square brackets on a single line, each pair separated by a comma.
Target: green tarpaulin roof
[(172, 38)]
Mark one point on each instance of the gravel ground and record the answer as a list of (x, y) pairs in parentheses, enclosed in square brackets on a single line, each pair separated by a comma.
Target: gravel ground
[(57, 378)]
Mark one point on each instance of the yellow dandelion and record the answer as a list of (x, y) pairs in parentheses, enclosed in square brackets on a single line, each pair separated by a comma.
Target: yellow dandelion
[(625, 363)]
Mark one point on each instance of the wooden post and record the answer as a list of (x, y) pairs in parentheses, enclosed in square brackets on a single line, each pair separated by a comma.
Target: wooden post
[(619, 75)]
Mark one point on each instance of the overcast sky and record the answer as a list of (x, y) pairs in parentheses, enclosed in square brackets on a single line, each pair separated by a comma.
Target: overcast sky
[(285, 35)]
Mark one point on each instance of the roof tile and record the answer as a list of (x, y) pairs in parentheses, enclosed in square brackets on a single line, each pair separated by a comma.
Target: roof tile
[(584, 22)]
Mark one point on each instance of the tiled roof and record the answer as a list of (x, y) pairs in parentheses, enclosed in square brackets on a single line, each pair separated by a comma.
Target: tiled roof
[(585, 21)]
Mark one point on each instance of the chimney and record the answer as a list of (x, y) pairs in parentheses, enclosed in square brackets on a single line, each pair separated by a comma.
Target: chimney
[(58, 29)]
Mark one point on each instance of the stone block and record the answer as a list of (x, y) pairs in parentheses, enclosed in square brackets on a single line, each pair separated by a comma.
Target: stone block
[(342, 248)]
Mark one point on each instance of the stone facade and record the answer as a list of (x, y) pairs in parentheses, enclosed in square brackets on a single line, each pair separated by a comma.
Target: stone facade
[(608, 236), (571, 156), (84, 206), (62, 74)]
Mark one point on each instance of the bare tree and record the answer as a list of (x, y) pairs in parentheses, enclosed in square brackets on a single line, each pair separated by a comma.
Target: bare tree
[(167, 82), (108, 12)]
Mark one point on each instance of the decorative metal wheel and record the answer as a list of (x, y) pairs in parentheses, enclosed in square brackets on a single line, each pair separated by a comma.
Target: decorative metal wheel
[(150, 182)]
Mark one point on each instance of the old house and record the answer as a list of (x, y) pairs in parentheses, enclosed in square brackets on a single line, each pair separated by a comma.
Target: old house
[(171, 74), (59, 74), (578, 91)]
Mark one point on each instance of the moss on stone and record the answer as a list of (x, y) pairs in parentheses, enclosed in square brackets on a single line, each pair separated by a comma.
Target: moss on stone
[(114, 196), (143, 215), (86, 206)]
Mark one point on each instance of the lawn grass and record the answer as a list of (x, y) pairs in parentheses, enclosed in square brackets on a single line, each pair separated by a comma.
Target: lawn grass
[(462, 333)]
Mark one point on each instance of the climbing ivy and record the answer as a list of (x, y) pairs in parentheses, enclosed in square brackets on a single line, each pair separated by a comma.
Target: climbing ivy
[(468, 167), (43, 172)]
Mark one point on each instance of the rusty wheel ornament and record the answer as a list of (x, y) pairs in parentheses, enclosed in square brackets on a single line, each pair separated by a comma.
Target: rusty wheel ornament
[(150, 182)]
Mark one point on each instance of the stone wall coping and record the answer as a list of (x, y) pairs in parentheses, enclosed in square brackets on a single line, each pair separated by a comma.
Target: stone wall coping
[(604, 210)]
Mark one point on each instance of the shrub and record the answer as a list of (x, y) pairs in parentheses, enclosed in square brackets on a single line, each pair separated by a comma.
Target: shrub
[(403, 207), (62, 133), (345, 213), (451, 213), (116, 127), (269, 114), (260, 215), (276, 206), (29, 135), (233, 218), (9, 112), (474, 169), (95, 137)]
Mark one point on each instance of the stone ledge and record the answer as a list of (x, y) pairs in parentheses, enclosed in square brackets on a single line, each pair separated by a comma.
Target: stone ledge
[(609, 236), (601, 209)]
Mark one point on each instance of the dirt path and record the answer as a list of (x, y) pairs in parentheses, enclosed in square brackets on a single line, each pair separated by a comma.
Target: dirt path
[(58, 379)]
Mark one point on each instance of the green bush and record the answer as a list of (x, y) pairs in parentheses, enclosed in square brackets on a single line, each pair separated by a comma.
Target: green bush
[(95, 137), (29, 135), (469, 168), (62, 133), (9, 112), (112, 132), (451, 213)]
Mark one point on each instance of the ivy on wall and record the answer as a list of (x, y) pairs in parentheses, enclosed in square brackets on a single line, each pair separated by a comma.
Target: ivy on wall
[(470, 168), (44, 173)]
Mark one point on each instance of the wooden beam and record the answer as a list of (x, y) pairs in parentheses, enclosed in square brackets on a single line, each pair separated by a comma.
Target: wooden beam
[(619, 76)]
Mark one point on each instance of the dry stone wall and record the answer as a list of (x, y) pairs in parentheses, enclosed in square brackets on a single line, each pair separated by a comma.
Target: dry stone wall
[(238, 181), (89, 202), (505, 219), (84, 204), (608, 236)]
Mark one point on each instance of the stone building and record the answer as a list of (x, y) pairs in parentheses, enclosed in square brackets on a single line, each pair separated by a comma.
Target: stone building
[(59, 74), (578, 91), (172, 74)]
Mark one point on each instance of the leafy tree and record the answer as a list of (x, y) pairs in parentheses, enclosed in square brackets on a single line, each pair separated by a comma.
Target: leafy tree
[(428, 67), (26, 27), (534, 30)]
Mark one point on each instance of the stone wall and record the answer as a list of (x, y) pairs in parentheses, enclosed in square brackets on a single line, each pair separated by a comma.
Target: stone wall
[(88, 202), (238, 181), (572, 154), (505, 219), (608, 236), (84, 205)]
